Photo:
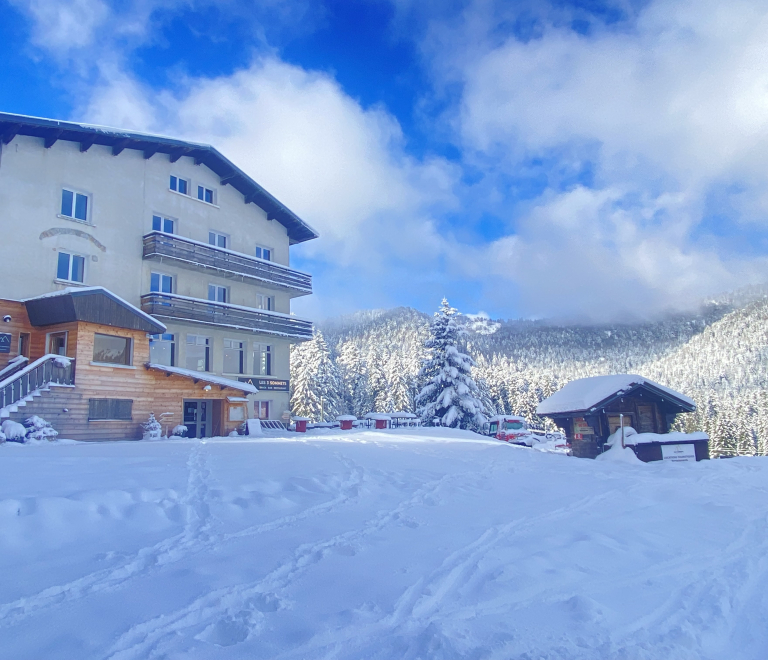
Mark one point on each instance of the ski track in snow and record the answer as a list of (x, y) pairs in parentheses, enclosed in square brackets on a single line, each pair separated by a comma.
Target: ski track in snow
[(231, 609), (425, 599), (716, 601), (196, 537)]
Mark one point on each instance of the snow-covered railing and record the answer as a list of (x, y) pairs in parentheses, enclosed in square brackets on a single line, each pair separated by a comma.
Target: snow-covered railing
[(40, 373), (173, 306), (194, 254)]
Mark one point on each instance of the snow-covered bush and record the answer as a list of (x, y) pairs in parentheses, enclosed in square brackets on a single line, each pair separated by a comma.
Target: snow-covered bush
[(152, 428), (2, 437), (39, 429), (179, 431), (13, 431)]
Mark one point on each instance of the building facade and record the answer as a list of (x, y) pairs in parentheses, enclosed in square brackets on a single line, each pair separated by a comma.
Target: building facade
[(171, 227)]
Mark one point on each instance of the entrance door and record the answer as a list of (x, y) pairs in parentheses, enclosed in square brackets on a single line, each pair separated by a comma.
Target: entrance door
[(614, 422), (197, 418)]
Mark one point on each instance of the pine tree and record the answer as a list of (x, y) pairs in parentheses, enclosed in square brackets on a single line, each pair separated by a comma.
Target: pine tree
[(316, 391), (152, 428), (450, 394)]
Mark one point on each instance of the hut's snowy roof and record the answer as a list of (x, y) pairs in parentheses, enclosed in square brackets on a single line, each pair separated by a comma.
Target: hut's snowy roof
[(586, 393)]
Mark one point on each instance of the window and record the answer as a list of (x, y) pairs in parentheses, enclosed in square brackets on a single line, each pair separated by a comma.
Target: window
[(265, 302), (162, 349), (234, 356), (160, 223), (111, 349), (217, 293), (71, 267), (24, 341), (261, 409), (179, 185), (219, 240), (262, 360), (109, 409), (57, 343), (198, 353), (205, 194), (160, 283), (74, 205), (264, 253)]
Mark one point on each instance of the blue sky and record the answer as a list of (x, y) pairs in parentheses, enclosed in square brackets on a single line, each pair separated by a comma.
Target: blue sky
[(581, 160)]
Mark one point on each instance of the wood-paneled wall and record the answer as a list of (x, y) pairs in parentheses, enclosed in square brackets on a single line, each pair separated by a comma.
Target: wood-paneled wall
[(150, 390)]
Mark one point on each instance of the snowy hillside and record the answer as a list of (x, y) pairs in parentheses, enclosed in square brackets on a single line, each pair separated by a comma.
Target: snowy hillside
[(377, 545), (719, 357)]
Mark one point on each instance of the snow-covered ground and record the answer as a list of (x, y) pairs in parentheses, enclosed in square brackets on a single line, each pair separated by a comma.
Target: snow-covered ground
[(397, 544)]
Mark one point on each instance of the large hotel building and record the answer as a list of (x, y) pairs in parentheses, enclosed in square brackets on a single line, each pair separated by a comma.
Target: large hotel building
[(156, 267)]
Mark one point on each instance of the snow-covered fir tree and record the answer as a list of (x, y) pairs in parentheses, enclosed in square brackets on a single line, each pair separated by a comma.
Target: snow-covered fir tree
[(717, 356), (449, 392), (152, 428), (316, 389)]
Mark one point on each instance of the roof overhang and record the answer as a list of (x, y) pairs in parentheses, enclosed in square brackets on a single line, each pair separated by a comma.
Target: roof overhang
[(201, 376), (89, 305), (53, 130)]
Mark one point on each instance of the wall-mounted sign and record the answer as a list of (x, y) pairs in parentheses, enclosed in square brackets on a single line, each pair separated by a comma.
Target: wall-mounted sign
[(5, 342), (267, 384), (578, 436), (581, 426), (679, 453)]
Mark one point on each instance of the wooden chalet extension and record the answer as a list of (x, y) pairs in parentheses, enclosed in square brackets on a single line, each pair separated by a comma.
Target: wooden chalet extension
[(80, 359), (589, 410)]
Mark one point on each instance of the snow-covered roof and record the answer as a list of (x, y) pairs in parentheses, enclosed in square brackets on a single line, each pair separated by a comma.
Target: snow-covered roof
[(151, 324), (204, 377), (346, 418), (586, 393), (119, 139)]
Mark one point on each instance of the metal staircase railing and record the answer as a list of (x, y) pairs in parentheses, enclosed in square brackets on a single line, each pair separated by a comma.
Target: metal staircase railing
[(47, 370)]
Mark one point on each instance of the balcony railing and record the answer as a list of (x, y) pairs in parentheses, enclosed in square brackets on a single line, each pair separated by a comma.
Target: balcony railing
[(183, 308), (193, 254)]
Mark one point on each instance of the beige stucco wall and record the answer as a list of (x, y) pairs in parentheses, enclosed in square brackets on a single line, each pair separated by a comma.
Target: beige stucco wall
[(124, 192)]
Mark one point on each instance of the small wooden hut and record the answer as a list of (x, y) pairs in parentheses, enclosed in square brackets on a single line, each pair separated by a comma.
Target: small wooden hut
[(589, 410)]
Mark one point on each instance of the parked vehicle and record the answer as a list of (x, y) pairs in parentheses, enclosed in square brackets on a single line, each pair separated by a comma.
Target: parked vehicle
[(515, 430)]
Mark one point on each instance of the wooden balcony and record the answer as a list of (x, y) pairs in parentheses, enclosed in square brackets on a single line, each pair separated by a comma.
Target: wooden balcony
[(198, 256), (182, 308)]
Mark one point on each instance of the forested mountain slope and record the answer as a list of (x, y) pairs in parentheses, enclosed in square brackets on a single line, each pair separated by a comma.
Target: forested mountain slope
[(718, 356)]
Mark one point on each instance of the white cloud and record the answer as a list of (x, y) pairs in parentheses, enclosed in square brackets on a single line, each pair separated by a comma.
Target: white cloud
[(340, 166), (664, 109), (668, 110), (61, 25)]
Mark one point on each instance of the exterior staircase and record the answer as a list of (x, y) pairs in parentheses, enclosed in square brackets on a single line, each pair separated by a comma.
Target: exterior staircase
[(31, 390)]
